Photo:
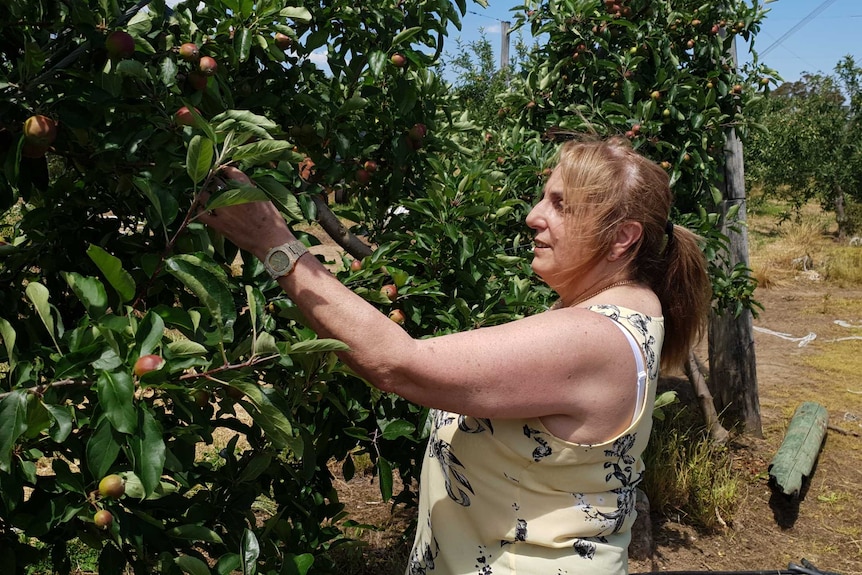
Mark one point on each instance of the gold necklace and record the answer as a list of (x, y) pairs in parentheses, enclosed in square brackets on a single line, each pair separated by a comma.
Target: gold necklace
[(604, 289)]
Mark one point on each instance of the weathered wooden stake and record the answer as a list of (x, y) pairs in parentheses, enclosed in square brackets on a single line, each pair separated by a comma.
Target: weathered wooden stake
[(796, 457)]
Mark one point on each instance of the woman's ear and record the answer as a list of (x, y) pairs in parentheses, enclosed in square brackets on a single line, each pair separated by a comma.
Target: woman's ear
[(628, 234)]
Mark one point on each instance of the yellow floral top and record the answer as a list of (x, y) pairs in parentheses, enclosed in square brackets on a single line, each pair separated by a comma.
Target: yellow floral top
[(506, 497)]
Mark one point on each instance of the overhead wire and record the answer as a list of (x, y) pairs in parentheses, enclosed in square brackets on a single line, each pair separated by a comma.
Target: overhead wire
[(813, 14)]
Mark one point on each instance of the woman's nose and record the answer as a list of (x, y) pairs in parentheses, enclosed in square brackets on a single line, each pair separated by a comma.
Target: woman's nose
[(534, 218)]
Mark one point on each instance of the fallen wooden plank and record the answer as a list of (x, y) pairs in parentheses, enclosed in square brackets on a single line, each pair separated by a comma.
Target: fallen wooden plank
[(795, 459)]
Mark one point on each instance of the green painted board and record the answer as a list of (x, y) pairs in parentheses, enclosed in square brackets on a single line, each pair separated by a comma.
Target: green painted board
[(795, 459)]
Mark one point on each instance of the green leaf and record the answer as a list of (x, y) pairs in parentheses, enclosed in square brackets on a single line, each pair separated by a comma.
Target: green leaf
[(168, 72), (274, 423), (102, 449), (112, 268), (38, 294), (210, 289), (296, 13), (228, 563), (13, 414), (265, 344), (149, 334), (250, 552), (280, 196), (384, 474), (397, 428), (7, 332), (255, 467), (242, 41), (62, 426), (194, 533), (352, 105), (261, 151), (405, 35), (192, 565), (132, 69), (236, 196), (116, 397), (90, 291), (236, 119), (199, 158), (302, 562), (317, 345), (377, 62), (186, 347), (149, 451)]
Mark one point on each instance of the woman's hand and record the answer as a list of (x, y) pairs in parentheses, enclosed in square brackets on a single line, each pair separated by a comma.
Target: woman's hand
[(254, 226)]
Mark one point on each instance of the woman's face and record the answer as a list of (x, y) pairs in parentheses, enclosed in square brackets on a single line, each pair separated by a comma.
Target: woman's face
[(553, 255)]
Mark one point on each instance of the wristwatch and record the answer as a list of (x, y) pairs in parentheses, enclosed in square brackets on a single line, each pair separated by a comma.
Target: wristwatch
[(281, 260)]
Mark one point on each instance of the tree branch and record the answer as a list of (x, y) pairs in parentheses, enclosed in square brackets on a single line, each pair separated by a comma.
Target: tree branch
[(336, 230), (695, 376)]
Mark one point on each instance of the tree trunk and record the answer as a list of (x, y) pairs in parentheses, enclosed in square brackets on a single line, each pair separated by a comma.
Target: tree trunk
[(840, 214), (732, 367), (695, 374)]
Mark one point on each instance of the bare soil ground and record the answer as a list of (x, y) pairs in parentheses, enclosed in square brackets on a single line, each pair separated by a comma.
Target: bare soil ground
[(768, 531)]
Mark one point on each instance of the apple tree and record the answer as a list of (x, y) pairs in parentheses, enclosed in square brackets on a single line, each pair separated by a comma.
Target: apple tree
[(162, 401), (809, 150)]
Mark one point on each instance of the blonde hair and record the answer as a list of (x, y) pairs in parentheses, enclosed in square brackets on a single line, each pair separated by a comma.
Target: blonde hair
[(607, 183)]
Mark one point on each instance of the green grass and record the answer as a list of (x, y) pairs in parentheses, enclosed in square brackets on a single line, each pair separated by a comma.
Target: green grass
[(688, 474), (82, 558)]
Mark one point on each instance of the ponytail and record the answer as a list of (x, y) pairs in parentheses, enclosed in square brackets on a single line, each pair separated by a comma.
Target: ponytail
[(685, 292)]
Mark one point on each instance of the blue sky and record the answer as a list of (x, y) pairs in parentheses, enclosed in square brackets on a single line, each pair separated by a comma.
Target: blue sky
[(818, 33)]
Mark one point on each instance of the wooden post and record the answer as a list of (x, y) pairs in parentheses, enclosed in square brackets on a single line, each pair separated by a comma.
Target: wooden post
[(732, 366), (795, 459)]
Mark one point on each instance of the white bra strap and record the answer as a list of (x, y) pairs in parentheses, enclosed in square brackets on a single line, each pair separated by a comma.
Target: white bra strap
[(639, 362)]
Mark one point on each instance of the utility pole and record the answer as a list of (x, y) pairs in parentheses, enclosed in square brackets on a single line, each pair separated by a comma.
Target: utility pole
[(504, 47)]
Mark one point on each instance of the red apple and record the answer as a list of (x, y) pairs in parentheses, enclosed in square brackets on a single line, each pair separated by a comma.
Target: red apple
[(390, 291), (112, 486), (355, 265), (184, 117), (283, 41), (120, 44), (362, 176), (398, 60), (198, 81), (148, 363), (208, 66), (103, 519), (417, 132), (40, 130), (189, 51), (397, 316), (370, 166)]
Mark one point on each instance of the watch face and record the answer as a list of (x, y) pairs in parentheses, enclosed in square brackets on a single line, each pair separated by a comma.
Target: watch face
[(279, 261)]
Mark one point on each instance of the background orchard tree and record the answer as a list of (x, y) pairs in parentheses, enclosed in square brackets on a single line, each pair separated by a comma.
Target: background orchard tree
[(809, 149)]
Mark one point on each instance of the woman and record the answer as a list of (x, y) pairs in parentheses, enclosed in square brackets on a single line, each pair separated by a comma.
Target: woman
[(539, 424)]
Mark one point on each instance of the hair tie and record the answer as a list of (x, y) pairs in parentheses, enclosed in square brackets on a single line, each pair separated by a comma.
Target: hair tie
[(668, 229)]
